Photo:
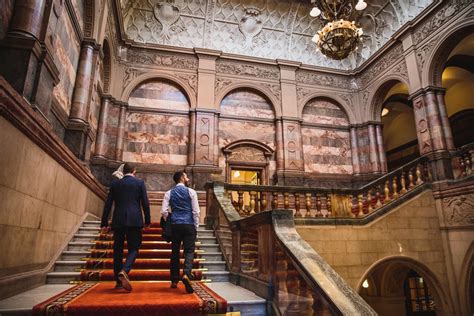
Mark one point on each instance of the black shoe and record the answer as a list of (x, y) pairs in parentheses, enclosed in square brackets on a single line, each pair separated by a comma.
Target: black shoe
[(123, 277), (187, 284), (118, 286), (174, 285)]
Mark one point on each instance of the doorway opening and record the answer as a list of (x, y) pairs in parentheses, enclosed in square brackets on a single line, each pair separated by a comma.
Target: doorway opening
[(239, 176)]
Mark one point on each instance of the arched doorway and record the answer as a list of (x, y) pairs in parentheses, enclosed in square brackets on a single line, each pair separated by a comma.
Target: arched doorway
[(398, 124), (458, 80), (403, 286), (247, 137)]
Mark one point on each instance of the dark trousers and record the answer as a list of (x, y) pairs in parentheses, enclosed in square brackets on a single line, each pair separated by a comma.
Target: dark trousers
[(134, 241), (185, 234)]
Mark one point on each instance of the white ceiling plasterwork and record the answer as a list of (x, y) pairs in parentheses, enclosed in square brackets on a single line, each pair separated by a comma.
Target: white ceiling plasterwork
[(275, 29)]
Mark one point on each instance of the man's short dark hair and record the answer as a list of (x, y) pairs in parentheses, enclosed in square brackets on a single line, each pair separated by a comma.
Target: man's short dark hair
[(177, 176), (128, 168)]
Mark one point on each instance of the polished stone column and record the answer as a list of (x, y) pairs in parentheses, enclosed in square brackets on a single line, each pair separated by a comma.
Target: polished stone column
[(381, 150), (434, 121), (101, 139), (28, 17), (448, 136), (192, 137), (82, 86), (374, 151), (354, 151), (121, 132), (216, 139), (280, 156), (25, 60)]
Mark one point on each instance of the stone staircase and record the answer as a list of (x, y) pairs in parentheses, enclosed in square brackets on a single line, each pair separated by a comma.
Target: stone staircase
[(67, 268)]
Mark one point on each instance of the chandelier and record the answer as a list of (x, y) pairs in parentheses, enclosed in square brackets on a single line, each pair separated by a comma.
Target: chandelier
[(339, 36)]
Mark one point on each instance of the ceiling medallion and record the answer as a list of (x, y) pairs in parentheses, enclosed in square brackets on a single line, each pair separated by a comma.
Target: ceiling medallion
[(168, 15), (250, 25), (339, 36)]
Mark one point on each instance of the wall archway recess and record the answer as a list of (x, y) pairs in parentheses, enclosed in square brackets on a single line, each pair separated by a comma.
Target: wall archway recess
[(389, 274), (248, 154)]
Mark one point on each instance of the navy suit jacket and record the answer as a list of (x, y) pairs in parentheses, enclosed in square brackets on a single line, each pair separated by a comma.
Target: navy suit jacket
[(129, 196)]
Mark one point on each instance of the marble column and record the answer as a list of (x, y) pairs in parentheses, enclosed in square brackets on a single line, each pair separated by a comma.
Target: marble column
[(82, 86), (448, 135), (101, 139), (374, 151), (25, 60), (354, 151), (78, 136), (121, 132), (192, 138), (28, 17), (381, 150), (216, 139), (280, 156), (434, 121)]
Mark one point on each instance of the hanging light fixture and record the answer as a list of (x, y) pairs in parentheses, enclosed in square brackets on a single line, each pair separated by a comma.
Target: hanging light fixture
[(339, 36)]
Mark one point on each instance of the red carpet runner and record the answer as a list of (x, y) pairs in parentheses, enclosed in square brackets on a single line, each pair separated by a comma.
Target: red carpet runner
[(147, 298)]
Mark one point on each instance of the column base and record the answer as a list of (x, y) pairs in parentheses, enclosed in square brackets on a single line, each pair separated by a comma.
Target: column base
[(78, 140)]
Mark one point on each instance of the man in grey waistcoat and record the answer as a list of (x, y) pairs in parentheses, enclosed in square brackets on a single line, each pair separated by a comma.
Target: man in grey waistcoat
[(184, 216)]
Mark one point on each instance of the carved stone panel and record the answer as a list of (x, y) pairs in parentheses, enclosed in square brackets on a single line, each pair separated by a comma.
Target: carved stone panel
[(459, 210), (204, 138), (246, 154), (292, 141)]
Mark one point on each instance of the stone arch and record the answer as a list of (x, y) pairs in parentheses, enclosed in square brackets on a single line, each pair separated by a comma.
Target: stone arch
[(142, 78), (375, 99), (333, 98), (252, 87), (436, 61), (106, 66), (389, 264), (465, 276)]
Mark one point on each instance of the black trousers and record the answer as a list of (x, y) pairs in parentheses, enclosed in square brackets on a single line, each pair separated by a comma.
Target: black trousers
[(134, 241), (182, 234)]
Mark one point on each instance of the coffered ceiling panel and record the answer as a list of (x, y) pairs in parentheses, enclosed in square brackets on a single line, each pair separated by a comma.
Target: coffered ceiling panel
[(260, 28)]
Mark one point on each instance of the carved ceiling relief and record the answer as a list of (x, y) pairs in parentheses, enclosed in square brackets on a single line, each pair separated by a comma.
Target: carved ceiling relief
[(458, 210), (272, 29)]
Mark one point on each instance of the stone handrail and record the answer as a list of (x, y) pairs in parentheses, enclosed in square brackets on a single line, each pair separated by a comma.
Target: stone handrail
[(265, 252), (335, 203)]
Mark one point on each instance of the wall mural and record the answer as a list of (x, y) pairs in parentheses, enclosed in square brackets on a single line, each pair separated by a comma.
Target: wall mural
[(264, 28)]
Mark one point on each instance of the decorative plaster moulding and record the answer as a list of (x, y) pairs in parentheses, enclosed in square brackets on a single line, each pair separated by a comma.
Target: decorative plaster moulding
[(262, 31)]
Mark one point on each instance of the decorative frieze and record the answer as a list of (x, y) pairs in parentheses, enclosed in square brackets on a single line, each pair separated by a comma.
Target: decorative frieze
[(320, 79), (247, 69), (423, 53), (152, 58), (380, 66), (190, 79)]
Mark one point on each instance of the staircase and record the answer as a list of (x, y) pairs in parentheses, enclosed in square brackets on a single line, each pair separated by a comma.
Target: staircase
[(74, 258)]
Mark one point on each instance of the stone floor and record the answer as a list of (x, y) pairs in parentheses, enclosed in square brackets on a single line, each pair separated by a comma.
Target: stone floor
[(22, 304)]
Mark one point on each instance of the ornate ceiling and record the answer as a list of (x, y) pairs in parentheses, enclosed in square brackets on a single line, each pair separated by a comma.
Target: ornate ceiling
[(259, 28)]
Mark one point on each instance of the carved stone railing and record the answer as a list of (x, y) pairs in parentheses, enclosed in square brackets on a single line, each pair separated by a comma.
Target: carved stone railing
[(462, 161), (264, 252), (325, 202)]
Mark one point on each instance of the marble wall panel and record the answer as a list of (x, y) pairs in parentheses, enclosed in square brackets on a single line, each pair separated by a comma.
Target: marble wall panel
[(40, 203), (111, 131), (5, 16), (66, 57), (320, 111), (326, 151), (244, 103), (159, 95), (156, 138)]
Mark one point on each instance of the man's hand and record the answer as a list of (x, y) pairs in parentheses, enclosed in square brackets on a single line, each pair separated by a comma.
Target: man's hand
[(105, 230)]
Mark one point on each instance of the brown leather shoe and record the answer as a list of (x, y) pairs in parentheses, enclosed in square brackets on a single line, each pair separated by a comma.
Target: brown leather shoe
[(187, 284), (173, 285), (123, 277)]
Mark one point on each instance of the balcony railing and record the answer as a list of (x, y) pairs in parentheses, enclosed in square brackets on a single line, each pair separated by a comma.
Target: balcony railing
[(264, 252)]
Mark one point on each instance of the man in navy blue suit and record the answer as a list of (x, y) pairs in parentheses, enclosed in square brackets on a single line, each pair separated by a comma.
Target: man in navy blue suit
[(130, 197)]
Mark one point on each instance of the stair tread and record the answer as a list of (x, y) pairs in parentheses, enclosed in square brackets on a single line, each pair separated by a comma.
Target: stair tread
[(70, 262), (215, 272), (68, 273), (73, 252)]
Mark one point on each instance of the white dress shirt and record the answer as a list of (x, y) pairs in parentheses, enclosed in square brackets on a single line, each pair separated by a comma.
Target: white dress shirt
[(194, 201)]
